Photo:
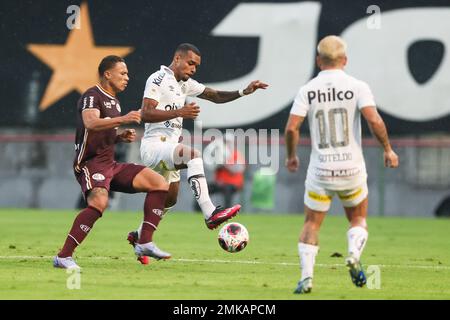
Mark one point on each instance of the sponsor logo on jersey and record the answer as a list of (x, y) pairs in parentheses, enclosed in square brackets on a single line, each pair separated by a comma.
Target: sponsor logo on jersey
[(158, 212), (173, 125), (330, 95), (107, 104), (118, 108), (336, 173), (85, 228), (98, 177), (159, 79), (91, 102)]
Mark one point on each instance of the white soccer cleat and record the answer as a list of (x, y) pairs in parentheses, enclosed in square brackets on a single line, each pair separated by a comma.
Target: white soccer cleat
[(150, 249), (65, 263)]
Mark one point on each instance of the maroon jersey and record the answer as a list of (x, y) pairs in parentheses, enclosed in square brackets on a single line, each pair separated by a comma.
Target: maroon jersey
[(96, 144)]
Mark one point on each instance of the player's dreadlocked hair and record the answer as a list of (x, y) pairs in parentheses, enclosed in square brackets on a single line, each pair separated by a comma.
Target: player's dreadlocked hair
[(107, 63), (185, 47)]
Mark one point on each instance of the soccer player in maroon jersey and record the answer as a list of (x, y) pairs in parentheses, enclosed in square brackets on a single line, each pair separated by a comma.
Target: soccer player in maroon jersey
[(96, 171)]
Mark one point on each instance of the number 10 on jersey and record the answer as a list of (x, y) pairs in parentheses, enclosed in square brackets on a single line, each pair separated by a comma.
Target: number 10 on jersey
[(337, 119)]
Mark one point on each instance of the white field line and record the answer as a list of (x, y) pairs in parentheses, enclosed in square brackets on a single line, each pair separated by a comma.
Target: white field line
[(322, 265)]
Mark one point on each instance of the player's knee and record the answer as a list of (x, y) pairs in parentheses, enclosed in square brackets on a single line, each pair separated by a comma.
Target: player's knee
[(98, 198), (195, 154), (359, 222), (99, 204), (161, 184)]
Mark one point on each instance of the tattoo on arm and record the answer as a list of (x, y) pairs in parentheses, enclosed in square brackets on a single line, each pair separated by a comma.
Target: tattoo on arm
[(219, 96)]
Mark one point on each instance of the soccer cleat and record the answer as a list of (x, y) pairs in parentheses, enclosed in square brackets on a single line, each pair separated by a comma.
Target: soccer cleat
[(133, 239), (221, 215), (150, 249), (304, 286), (65, 263), (356, 271)]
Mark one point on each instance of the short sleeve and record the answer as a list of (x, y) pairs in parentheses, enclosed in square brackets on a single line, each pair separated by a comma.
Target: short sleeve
[(90, 100), (365, 96), (152, 89), (194, 88), (300, 106)]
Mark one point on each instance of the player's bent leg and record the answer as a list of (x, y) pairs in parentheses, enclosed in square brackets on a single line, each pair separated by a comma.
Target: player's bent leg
[(133, 236), (156, 188), (172, 196), (148, 180), (98, 198), (214, 216), (97, 202)]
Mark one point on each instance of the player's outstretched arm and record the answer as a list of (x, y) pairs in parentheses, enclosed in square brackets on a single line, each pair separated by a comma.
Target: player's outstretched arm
[(292, 137), (149, 113), (227, 96), (378, 128), (93, 122)]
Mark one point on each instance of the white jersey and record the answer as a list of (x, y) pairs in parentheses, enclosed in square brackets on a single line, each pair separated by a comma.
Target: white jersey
[(171, 95), (332, 101)]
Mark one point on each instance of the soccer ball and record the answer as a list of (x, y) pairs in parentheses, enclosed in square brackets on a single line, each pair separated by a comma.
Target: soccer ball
[(233, 237)]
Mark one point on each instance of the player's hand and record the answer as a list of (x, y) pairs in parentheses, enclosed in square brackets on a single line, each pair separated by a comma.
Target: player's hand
[(128, 135), (292, 164), (255, 85), (132, 117), (189, 111), (390, 159)]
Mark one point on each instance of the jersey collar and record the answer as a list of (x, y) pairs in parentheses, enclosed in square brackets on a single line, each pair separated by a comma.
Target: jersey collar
[(106, 92), (167, 70), (331, 71)]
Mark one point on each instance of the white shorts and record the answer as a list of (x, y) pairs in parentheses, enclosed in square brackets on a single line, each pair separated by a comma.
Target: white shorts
[(157, 154), (319, 198)]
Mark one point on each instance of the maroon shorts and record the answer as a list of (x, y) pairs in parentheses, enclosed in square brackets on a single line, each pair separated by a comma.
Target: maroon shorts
[(113, 176)]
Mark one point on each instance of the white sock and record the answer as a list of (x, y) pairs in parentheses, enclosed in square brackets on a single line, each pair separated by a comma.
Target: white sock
[(357, 238), (197, 181), (307, 253), (162, 216)]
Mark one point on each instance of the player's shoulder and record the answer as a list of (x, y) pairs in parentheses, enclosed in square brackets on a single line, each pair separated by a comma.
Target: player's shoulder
[(308, 85), (158, 77), (92, 91), (357, 82), (192, 82)]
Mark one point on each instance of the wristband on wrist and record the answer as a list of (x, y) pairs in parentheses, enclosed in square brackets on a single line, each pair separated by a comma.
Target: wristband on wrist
[(241, 93)]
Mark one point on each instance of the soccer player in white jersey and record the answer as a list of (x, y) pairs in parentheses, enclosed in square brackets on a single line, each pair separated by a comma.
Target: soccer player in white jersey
[(163, 110), (334, 102)]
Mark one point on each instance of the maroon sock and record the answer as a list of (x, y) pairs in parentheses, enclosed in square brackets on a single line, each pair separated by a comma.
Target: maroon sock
[(80, 229), (153, 210)]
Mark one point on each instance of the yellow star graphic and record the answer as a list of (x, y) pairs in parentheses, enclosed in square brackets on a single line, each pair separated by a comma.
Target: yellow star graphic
[(74, 64)]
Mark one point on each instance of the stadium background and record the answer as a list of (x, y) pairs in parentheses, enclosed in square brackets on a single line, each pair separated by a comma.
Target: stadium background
[(36, 140)]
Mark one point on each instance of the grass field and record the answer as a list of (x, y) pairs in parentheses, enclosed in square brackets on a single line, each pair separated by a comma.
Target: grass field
[(412, 254)]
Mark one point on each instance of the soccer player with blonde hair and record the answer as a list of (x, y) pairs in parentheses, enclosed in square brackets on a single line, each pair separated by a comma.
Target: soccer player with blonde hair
[(334, 102)]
